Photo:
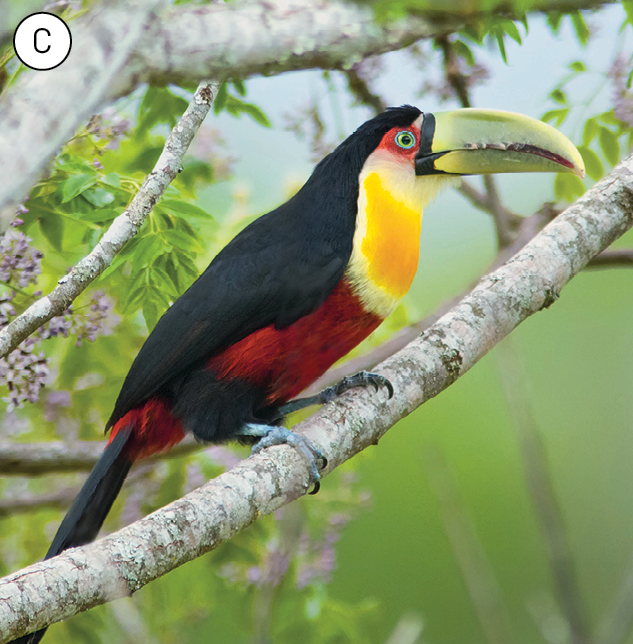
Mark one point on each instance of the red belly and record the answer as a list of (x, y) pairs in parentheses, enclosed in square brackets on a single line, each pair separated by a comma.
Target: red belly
[(281, 361), (286, 361)]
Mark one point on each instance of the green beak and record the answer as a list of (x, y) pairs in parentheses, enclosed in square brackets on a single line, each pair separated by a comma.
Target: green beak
[(473, 141)]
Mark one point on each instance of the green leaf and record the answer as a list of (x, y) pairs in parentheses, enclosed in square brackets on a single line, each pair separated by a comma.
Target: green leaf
[(102, 215), (148, 248), (159, 105), (593, 165), (500, 36), (560, 115), (235, 107), (628, 7), (568, 187), (183, 241), (554, 19), (590, 130), (150, 312), (112, 179), (184, 208), (75, 185), (463, 50), (52, 227), (239, 86), (610, 145), (134, 299), (610, 118), (629, 78), (220, 99), (163, 282), (578, 66), (558, 96), (511, 29), (98, 197), (187, 264), (580, 27)]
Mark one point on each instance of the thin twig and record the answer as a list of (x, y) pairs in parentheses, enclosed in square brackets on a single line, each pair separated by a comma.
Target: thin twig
[(361, 91), (60, 499), (617, 258), (33, 459), (123, 228), (506, 222)]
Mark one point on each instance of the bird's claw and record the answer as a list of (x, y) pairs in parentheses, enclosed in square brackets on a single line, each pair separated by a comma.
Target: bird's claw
[(283, 436), (360, 379)]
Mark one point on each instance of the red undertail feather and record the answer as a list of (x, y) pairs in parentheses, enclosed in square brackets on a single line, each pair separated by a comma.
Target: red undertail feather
[(155, 429)]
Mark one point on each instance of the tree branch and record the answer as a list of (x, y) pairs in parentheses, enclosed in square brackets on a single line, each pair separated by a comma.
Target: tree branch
[(121, 44), (617, 258), (33, 459), (41, 111), (123, 228), (125, 561)]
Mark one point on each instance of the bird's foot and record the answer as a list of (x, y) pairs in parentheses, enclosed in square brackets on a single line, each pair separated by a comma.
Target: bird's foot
[(360, 379), (274, 435)]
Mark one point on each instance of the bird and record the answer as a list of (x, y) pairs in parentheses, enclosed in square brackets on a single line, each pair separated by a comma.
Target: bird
[(296, 290)]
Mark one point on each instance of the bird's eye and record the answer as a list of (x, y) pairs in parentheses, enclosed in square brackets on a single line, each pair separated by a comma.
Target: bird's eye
[(405, 140)]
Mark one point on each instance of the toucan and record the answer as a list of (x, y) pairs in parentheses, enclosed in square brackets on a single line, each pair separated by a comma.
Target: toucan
[(296, 290)]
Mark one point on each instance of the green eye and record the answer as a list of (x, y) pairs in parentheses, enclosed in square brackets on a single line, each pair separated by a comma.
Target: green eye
[(405, 140)]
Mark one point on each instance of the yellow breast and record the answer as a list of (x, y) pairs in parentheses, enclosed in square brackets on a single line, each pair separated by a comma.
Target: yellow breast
[(387, 238)]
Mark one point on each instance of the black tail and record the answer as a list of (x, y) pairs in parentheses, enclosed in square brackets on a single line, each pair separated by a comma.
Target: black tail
[(87, 514)]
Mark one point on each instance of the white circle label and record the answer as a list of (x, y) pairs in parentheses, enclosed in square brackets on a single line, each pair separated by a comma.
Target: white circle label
[(42, 41)]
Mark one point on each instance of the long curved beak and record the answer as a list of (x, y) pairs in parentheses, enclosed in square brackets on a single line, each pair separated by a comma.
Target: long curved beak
[(474, 141)]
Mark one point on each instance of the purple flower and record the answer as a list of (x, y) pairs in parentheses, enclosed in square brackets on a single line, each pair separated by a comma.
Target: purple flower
[(622, 96), (20, 264)]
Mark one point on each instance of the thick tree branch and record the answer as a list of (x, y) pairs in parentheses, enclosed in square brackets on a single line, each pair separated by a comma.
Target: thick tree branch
[(122, 44), (127, 560), (123, 228), (42, 110)]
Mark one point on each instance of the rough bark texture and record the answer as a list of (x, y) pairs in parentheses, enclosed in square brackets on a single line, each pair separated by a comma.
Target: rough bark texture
[(123, 228), (127, 560)]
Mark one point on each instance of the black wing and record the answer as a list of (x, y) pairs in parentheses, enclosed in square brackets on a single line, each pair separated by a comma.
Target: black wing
[(281, 267)]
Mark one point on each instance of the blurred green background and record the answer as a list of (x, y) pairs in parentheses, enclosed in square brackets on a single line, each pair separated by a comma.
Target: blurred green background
[(444, 494)]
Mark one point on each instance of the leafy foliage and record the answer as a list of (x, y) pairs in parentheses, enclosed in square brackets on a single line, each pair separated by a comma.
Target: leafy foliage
[(272, 581)]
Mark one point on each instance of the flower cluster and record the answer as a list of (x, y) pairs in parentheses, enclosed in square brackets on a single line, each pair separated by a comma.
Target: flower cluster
[(109, 126), (20, 264), (314, 556), (622, 96), (25, 370), (99, 320)]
